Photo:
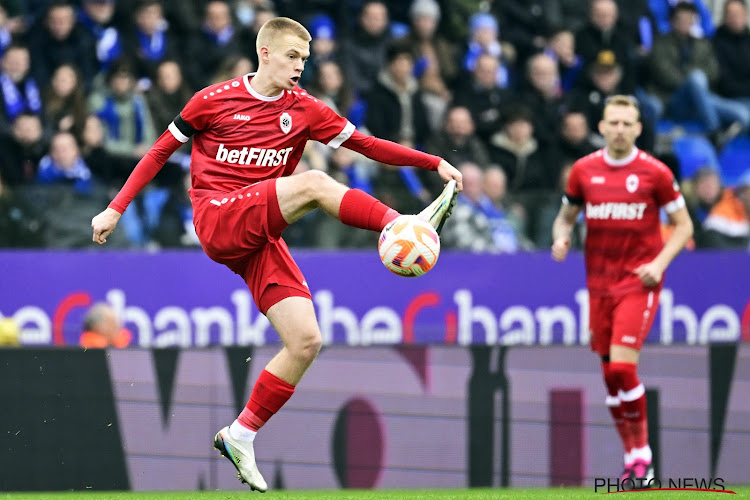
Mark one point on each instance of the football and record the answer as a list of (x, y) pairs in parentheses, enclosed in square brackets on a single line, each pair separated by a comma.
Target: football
[(409, 246)]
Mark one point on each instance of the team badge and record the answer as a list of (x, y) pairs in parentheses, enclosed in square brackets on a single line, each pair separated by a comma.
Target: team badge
[(285, 122), (631, 183)]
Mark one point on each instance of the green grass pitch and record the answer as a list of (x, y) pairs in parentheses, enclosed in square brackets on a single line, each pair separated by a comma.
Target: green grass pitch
[(468, 494)]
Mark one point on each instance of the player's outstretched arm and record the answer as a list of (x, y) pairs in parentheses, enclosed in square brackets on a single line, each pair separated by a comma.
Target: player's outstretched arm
[(561, 229), (104, 223), (391, 153)]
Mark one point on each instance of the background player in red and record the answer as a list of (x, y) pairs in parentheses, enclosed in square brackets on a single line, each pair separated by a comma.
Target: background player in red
[(623, 190), (248, 135)]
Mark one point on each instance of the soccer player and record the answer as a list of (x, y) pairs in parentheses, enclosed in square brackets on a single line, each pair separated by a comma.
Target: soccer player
[(248, 136), (623, 190)]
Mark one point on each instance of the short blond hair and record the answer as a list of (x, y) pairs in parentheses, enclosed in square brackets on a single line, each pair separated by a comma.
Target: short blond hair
[(273, 28), (622, 100)]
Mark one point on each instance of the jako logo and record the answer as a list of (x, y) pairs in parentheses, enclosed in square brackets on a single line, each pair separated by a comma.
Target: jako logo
[(616, 211), (245, 118), (257, 156)]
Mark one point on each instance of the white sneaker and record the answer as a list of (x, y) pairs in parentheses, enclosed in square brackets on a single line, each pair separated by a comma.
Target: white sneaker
[(241, 454), (439, 210)]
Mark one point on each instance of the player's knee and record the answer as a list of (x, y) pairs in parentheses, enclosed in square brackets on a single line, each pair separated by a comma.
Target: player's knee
[(316, 183), (307, 347)]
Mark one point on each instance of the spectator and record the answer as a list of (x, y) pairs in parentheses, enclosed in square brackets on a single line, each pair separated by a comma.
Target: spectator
[(169, 94), (108, 168), (364, 53), (604, 80), (485, 39), (576, 139), (683, 69), (702, 26), (543, 95), (495, 188), (523, 24), (561, 47), (64, 164), (397, 92), (476, 224), (150, 42), (457, 143), (728, 223), (97, 16), (216, 39), (233, 66), (438, 55), (102, 328), (323, 47), (732, 46), (22, 150), (20, 92), (61, 40), (602, 33), (125, 113), (483, 97), (703, 193), (165, 100), (65, 101), (515, 148), (330, 86)]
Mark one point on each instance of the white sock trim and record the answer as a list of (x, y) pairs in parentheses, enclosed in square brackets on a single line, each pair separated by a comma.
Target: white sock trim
[(612, 401), (627, 459), (642, 454), (632, 394), (239, 431)]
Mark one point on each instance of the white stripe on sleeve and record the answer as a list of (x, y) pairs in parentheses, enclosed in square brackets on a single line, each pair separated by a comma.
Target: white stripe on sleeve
[(343, 136), (674, 205), (177, 134)]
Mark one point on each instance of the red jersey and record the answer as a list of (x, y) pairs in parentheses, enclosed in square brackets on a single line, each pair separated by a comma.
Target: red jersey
[(241, 137), (621, 200), (246, 137)]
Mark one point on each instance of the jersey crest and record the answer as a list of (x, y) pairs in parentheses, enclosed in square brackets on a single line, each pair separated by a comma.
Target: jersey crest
[(285, 121), (631, 183)]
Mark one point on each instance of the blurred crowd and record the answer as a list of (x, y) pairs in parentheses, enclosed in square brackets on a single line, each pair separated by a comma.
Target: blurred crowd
[(509, 91)]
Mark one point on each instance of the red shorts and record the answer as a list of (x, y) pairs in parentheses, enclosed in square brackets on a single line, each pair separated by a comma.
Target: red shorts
[(242, 230), (623, 320)]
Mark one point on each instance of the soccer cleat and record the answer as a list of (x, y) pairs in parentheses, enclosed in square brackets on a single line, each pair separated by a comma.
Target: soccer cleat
[(627, 475), (643, 473), (439, 210), (242, 456)]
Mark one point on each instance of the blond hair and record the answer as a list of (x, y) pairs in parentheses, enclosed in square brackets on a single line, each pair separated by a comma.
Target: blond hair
[(273, 28), (622, 100)]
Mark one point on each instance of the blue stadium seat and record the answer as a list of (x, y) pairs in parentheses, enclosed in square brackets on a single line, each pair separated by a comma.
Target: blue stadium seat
[(691, 127), (735, 160), (694, 152)]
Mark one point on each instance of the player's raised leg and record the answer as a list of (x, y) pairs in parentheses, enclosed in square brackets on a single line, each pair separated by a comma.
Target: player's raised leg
[(302, 193), (294, 320)]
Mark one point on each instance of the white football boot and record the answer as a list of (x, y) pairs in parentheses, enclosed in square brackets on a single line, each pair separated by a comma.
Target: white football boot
[(242, 456), (439, 210)]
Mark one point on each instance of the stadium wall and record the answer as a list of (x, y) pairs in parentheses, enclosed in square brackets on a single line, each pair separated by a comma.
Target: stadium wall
[(376, 417)]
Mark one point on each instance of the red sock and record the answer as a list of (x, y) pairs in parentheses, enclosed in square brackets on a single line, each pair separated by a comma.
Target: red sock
[(633, 402), (361, 210), (615, 408), (268, 396)]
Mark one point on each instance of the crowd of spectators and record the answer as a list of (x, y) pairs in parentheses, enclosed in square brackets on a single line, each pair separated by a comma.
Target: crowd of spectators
[(509, 91)]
